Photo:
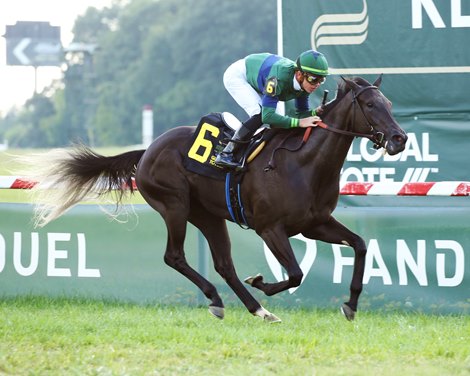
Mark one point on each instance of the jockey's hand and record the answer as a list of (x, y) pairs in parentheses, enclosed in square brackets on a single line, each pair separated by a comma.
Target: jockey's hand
[(319, 110), (309, 122)]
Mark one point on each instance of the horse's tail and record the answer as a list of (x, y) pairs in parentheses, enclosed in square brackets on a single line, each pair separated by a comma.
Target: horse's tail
[(66, 177)]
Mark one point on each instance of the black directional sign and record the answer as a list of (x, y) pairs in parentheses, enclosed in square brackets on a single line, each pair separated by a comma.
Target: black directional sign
[(33, 43)]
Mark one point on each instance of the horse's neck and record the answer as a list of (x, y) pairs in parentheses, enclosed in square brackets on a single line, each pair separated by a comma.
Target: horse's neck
[(335, 144), (325, 152), (341, 115)]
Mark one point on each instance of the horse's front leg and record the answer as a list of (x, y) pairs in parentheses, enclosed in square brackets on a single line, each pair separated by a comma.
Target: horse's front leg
[(336, 233), (278, 242)]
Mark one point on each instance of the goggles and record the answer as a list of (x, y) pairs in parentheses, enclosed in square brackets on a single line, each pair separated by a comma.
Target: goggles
[(314, 80)]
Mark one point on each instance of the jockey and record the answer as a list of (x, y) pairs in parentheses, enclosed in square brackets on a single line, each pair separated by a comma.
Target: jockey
[(260, 81)]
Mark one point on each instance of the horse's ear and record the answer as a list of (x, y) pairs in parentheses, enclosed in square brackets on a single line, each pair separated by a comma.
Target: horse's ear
[(378, 81), (351, 84)]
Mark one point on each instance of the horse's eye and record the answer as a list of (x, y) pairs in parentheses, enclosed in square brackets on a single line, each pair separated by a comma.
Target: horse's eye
[(370, 104)]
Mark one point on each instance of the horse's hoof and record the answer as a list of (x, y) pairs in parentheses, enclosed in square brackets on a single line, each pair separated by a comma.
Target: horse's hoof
[(250, 280), (348, 312), (218, 312), (267, 316), (272, 318)]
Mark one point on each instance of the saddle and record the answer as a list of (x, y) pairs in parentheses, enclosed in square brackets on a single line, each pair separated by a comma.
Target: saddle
[(212, 134)]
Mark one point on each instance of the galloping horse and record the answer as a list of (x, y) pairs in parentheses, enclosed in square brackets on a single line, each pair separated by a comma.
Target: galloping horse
[(297, 195)]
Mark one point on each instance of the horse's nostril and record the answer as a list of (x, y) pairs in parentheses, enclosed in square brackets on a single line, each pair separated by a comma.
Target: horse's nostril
[(399, 139)]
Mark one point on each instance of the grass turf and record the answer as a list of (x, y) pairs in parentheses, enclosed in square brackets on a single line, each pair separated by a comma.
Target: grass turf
[(84, 337)]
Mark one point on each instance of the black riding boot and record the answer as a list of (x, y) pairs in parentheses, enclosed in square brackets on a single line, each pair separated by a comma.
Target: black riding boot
[(226, 157)]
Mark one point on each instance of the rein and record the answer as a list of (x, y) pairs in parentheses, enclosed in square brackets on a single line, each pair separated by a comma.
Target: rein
[(376, 137)]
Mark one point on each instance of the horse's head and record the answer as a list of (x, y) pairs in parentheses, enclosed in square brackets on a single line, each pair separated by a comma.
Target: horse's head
[(371, 115)]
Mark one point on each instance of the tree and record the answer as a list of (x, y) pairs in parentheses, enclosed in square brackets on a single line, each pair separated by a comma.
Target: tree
[(170, 54), (176, 60), (37, 108)]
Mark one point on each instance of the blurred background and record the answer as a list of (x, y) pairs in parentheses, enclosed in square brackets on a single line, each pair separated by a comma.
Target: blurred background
[(82, 71)]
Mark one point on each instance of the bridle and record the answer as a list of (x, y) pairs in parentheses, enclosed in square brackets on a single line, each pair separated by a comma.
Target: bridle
[(378, 138)]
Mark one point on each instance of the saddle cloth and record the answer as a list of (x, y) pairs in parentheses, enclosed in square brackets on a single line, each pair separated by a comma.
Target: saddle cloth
[(211, 136)]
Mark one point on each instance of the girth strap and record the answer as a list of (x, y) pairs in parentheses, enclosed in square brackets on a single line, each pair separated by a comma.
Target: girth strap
[(234, 201)]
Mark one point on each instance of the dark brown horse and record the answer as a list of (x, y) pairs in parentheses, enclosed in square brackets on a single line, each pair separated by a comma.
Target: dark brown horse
[(298, 195)]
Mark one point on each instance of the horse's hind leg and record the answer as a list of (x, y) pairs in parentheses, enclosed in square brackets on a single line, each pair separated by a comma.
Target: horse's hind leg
[(215, 231), (174, 257), (175, 212)]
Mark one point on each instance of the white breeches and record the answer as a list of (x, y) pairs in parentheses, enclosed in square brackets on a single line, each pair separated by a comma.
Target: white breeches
[(237, 85)]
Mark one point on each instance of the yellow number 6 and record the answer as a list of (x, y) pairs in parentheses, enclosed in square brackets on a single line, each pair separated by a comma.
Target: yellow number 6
[(270, 87), (202, 142)]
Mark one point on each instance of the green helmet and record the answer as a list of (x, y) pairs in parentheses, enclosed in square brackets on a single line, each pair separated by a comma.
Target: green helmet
[(313, 62)]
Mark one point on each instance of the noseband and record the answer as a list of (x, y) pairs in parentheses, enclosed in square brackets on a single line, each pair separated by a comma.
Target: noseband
[(378, 138)]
